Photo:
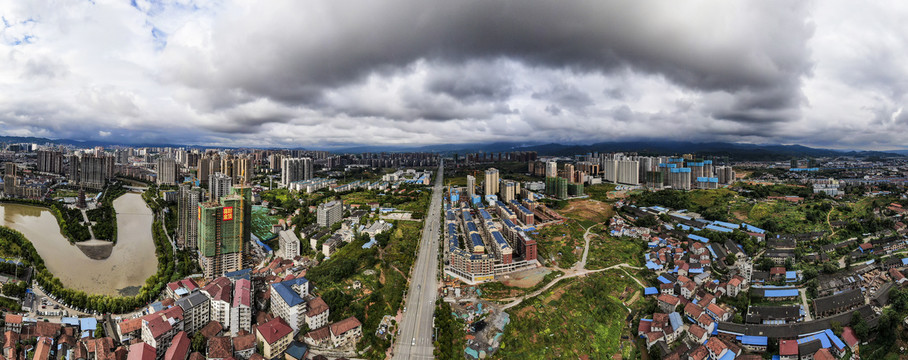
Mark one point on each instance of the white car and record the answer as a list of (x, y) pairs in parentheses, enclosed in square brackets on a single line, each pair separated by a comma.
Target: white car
[(414, 342)]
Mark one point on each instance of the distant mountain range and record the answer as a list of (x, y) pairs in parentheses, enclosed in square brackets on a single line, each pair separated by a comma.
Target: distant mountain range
[(653, 147)]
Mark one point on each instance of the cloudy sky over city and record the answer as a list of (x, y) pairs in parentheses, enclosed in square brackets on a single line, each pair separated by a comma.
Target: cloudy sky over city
[(322, 73)]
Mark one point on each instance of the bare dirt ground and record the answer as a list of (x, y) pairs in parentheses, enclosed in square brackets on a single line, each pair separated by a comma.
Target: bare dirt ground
[(588, 210), (526, 278)]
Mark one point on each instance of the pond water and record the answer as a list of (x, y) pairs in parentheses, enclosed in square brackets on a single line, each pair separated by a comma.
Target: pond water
[(130, 263)]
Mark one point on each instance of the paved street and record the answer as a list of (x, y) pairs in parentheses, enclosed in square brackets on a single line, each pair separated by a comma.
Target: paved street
[(416, 325)]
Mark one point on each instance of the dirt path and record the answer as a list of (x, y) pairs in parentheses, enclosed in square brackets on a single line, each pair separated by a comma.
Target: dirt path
[(584, 272), (586, 250)]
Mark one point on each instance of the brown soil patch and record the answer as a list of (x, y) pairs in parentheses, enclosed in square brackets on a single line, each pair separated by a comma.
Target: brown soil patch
[(555, 295), (633, 299), (740, 215), (589, 210), (527, 278)]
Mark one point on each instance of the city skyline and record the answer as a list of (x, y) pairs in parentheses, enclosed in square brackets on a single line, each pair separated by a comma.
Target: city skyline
[(325, 74)]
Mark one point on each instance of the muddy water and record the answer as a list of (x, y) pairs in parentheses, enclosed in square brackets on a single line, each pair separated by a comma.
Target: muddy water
[(123, 273)]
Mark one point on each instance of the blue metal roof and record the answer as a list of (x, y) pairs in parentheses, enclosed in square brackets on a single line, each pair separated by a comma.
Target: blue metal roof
[(753, 340), (471, 227), (88, 324), (650, 291), (466, 216), (729, 355), (718, 228), (780, 293), (500, 240), (791, 274), (824, 340), (485, 214), (675, 319), (753, 229), (726, 224), (697, 237), (476, 239), (284, 290), (835, 339), (663, 280)]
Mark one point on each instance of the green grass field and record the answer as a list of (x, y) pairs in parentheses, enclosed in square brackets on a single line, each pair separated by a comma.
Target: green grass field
[(559, 243), (583, 317), (606, 250)]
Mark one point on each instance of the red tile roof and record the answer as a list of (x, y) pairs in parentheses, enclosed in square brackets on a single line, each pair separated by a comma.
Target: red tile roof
[(242, 293), (13, 319), (274, 330), (220, 289), (316, 306), (696, 331), (849, 336), (130, 325), (244, 342), (669, 299), (699, 353), (42, 350), (179, 347), (345, 325), (644, 327), (213, 328), (141, 351), (788, 347), (715, 346), (158, 326), (715, 309), (823, 354), (219, 347), (196, 356), (319, 334)]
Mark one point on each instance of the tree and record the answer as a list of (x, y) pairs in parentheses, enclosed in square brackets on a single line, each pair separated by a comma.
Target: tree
[(198, 343), (860, 326), (731, 259)]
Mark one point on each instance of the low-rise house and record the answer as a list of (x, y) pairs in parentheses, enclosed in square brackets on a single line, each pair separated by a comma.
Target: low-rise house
[(667, 303), (179, 347), (244, 346), (219, 348), (220, 292), (346, 332), (317, 313), (13, 323), (158, 329), (195, 311), (241, 309), (697, 334), (717, 312), (788, 350), (838, 303), (275, 337), (296, 351), (141, 351), (181, 288)]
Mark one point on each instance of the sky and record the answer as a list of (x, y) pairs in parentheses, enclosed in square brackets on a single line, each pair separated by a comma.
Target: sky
[(419, 72)]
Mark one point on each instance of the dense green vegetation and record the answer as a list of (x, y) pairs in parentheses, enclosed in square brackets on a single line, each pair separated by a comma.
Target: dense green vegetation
[(104, 216), (599, 191), (450, 342), (582, 318), (389, 261)]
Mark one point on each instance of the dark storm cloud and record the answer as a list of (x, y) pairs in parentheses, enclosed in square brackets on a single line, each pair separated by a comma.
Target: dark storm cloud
[(732, 47)]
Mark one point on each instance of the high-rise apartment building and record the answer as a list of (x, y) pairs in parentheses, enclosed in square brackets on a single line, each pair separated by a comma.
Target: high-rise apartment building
[(610, 170), (628, 172), (188, 217), (224, 229), (551, 169), (296, 169), (167, 171), (95, 170), (490, 186), (50, 162), (10, 178), (680, 178), (219, 186), (329, 213), (204, 169), (471, 186), (508, 191), (726, 174)]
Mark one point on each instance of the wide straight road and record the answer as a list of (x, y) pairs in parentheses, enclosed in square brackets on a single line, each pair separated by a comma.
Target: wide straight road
[(415, 340)]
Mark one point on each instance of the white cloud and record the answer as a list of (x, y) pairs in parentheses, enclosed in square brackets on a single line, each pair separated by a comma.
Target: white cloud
[(238, 72)]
